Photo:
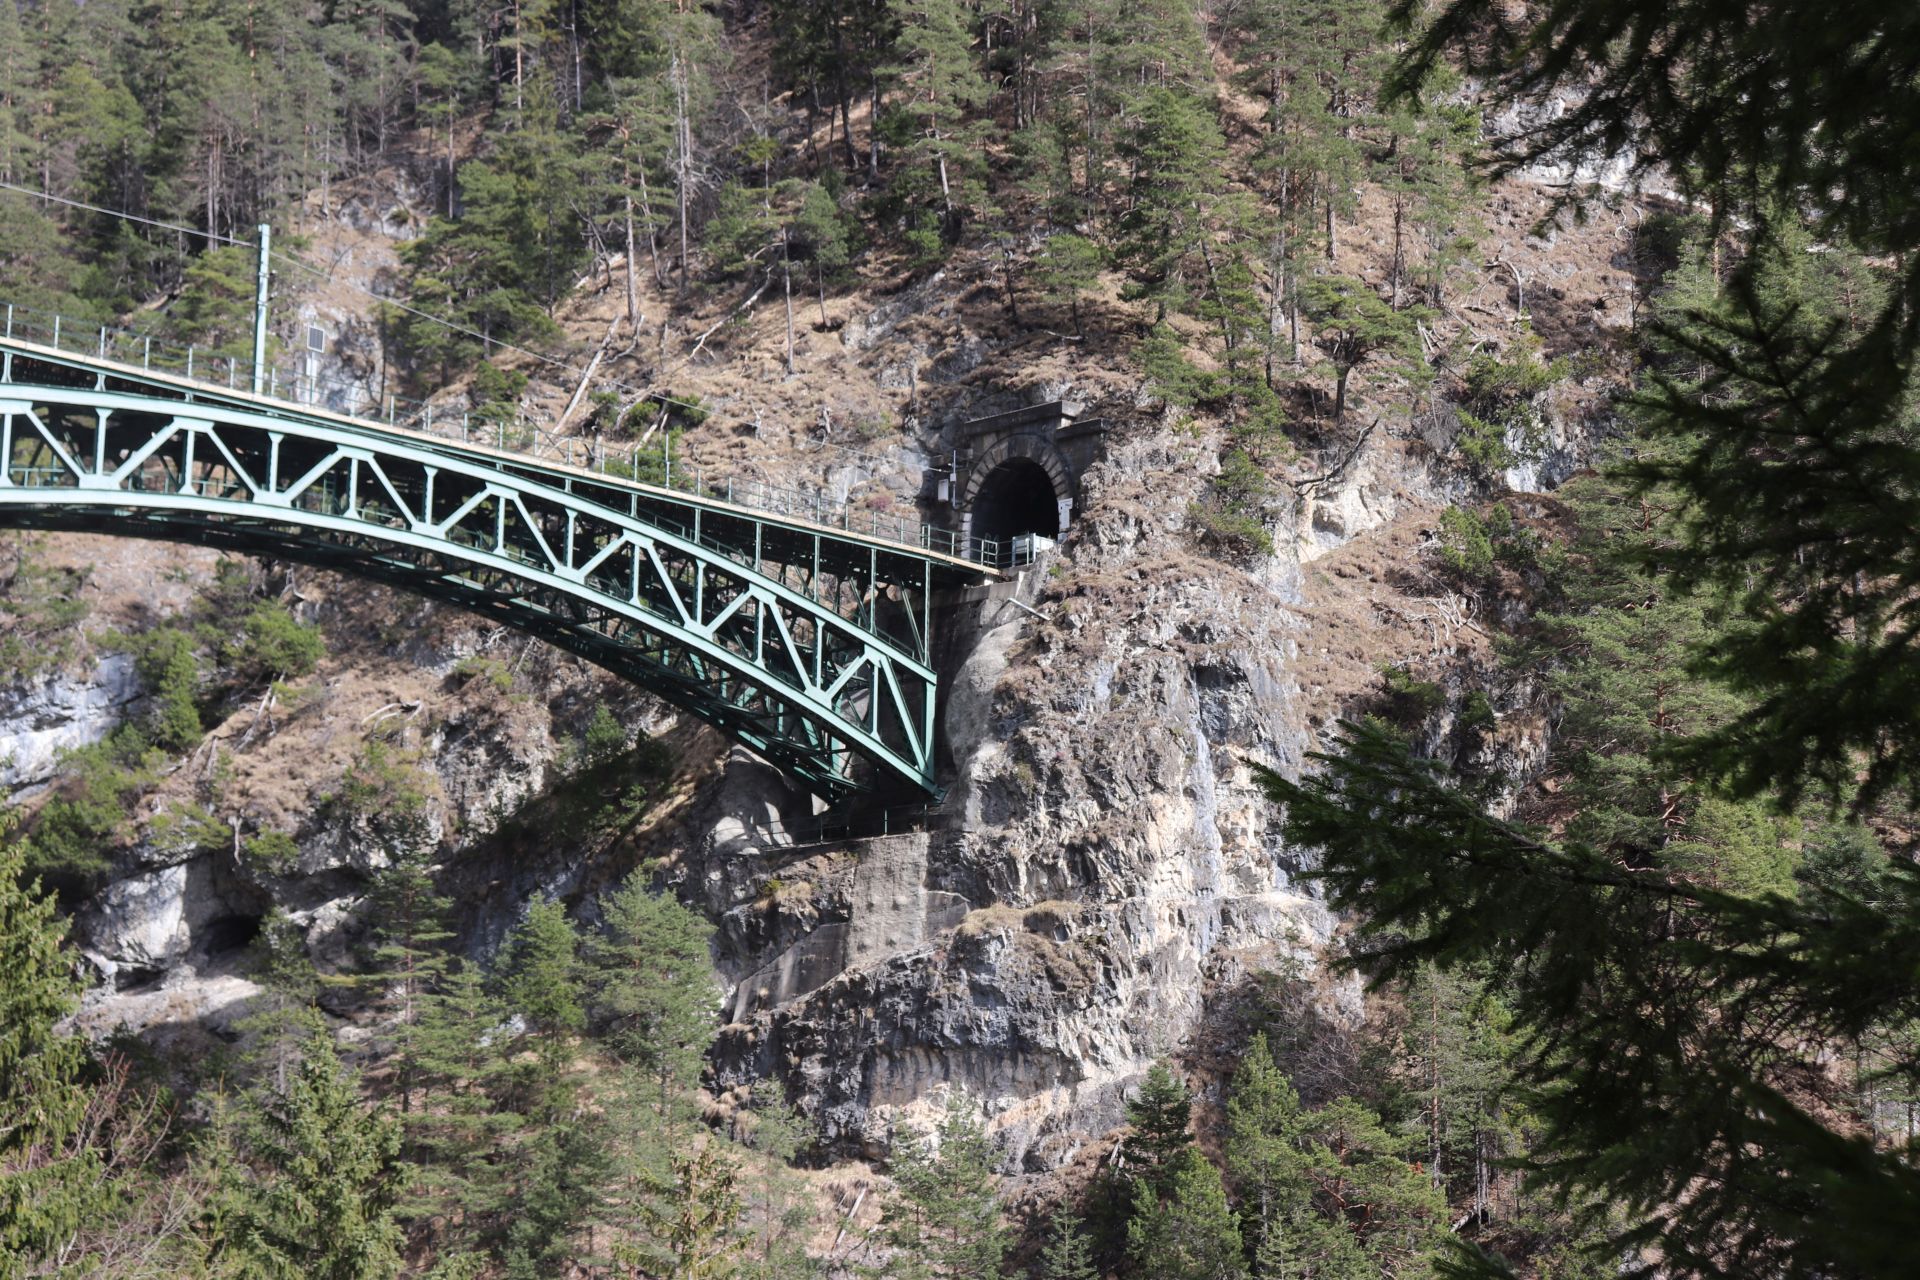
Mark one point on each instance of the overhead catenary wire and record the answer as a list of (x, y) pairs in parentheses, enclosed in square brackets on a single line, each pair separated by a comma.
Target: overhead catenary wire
[(324, 274), (122, 214), (639, 393)]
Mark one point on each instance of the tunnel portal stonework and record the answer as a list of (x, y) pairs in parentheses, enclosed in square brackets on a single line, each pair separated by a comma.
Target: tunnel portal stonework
[(1002, 460)]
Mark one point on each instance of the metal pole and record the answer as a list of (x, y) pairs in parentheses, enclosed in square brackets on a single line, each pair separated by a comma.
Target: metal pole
[(260, 310)]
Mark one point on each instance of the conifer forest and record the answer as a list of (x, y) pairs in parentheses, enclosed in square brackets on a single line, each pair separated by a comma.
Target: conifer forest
[(1441, 799)]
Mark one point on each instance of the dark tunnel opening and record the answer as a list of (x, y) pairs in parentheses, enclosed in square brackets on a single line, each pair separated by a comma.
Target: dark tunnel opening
[(1016, 498)]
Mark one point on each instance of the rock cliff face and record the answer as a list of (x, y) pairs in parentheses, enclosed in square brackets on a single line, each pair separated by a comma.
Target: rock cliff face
[(1104, 866), (1105, 860), (59, 712)]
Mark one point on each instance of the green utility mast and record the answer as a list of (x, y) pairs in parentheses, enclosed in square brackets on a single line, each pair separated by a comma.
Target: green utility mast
[(260, 313)]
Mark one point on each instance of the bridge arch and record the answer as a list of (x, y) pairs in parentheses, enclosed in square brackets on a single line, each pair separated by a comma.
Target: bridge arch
[(1019, 485), (810, 646)]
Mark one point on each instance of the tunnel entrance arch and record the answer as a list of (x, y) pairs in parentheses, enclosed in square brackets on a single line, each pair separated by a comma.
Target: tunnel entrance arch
[(1018, 487), (1009, 466), (1016, 498)]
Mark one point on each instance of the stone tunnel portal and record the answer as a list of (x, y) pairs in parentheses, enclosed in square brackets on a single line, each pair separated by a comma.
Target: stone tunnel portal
[(1016, 498)]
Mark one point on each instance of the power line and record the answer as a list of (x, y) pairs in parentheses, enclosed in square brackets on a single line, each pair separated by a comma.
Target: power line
[(396, 304), (313, 270), (639, 393), (123, 214)]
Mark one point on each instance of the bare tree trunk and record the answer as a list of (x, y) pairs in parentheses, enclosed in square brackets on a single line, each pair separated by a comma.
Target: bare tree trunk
[(1396, 273), (873, 128), (573, 37), (1482, 1182), (1433, 1077), (1333, 242), (519, 42), (683, 147), (1276, 297), (1006, 267), (786, 285), (633, 285), (653, 232)]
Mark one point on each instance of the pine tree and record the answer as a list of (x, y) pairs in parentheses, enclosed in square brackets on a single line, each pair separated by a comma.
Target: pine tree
[(1367, 1184), (409, 958), (443, 75), (1801, 413), (466, 1081), (331, 1171), (1458, 1040), (694, 1223), (1167, 233), (283, 1015), (1158, 1117), (561, 1168), (1616, 651), (652, 977), (940, 86), (945, 1219), (1354, 326), (1648, 1009), (511, 254), (170, 668), (1269, 1171), (780, 1202), (820, 234), (49, 1181), (1189, 1232), (540, 980), (1069, 1253), (1426, 177), (1323, 1192), (1068, 266)]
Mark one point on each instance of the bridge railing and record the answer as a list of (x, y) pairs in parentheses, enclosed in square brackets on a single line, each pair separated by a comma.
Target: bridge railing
[(217, 368)]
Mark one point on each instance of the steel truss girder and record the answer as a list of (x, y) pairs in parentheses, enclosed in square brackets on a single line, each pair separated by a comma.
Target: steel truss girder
[(814, 685)]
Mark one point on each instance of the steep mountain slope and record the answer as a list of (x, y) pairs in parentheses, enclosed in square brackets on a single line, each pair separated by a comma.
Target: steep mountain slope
[(1105, 883)]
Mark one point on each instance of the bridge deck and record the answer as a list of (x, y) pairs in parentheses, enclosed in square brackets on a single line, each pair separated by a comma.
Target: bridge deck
[(811, 643), (951, 568)]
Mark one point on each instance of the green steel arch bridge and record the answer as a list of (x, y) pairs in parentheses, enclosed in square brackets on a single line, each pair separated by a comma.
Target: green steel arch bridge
[(801, 630)]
